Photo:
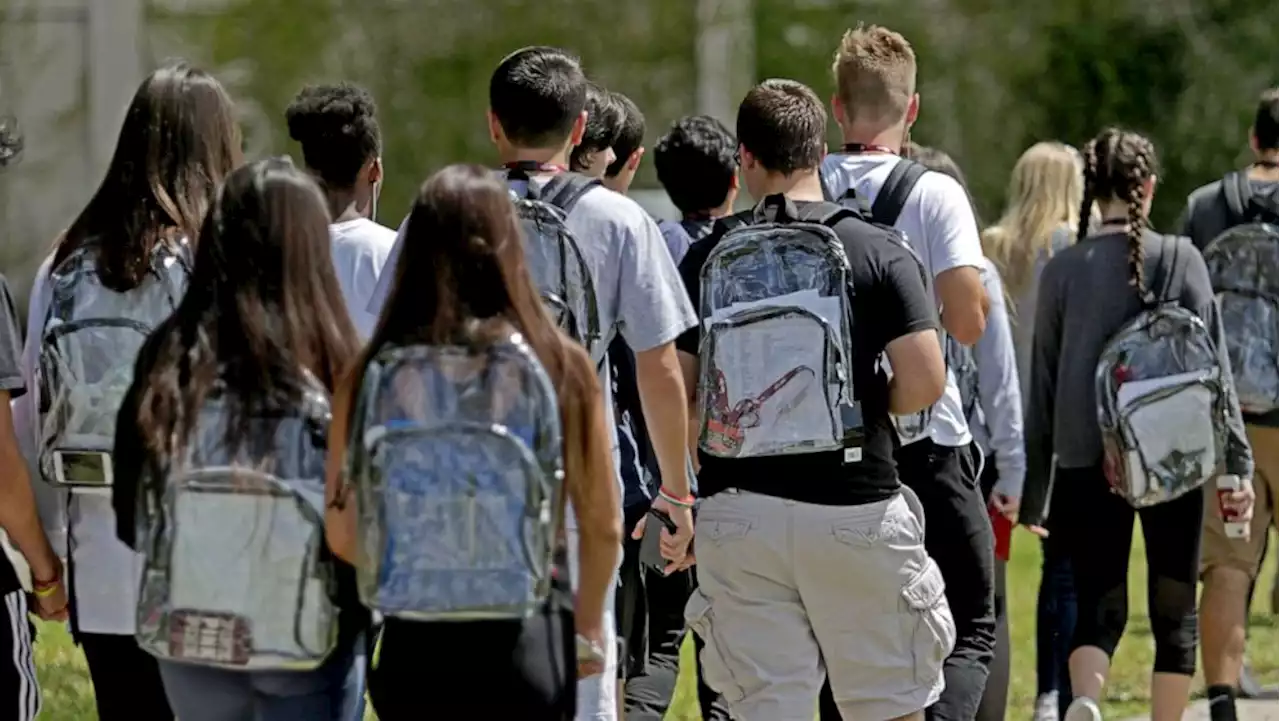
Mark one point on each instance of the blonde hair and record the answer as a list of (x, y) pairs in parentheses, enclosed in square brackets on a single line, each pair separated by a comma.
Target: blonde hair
[(875, 74), (1045, 194)]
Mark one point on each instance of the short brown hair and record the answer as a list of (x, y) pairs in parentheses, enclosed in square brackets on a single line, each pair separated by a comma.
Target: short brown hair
[(875, 73), (783, 124)]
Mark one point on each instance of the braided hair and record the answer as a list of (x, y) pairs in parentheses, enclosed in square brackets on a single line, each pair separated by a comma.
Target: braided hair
[(1117, 164)]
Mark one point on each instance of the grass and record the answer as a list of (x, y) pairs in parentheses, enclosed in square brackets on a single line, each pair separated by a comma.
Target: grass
[(68, 695)]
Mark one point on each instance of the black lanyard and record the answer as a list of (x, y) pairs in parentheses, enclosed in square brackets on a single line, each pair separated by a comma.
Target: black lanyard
[(533, 166), (868, 148)]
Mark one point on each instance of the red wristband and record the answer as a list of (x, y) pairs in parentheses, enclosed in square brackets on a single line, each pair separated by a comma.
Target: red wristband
[(673, 499)]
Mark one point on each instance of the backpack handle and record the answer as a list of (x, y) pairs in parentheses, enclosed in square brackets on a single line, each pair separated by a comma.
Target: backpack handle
[(776, 208)]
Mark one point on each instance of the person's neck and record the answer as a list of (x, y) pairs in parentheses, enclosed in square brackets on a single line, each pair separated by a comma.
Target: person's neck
[(345, 205), (800, 185), (891, 137), (541, 156), (1264, 167)]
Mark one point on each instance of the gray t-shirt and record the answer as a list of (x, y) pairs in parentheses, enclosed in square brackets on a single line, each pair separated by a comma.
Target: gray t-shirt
[(638, 289)]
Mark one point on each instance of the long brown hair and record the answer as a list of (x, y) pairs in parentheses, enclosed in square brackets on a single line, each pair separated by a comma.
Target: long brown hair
[(1116, 165), (263, 304), (462, 260), (179, 140)]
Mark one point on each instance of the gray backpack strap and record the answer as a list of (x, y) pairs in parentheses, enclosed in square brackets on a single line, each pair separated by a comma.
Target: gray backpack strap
[(564, 190), (1167, 267), (1236, 192), (893, 195)]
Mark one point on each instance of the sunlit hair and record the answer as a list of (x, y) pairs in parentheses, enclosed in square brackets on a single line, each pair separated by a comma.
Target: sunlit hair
[(1045, 193)]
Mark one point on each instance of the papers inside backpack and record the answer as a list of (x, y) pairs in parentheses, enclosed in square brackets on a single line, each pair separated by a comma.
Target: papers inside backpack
[(458, 476)]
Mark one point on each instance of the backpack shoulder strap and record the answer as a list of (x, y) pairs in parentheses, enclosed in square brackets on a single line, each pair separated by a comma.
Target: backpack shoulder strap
[(564, 190), (893, 195), (1167, 266), (732, 222), (1235, 190)]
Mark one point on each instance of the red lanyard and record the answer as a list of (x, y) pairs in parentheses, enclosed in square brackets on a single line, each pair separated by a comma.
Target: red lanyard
[(532, 166), (868, 148)]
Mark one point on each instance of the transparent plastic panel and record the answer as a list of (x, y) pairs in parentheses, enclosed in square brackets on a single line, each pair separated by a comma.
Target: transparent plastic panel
[(1152, 374), (1244, 264), (774, 350), (236, 575), (559, 270), (458, 474), (91, 341)]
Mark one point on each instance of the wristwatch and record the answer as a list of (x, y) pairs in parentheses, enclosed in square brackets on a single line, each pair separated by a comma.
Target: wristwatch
[(589, 651)]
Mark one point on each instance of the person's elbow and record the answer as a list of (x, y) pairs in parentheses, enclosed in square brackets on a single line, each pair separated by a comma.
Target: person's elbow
[(964, 304), (919, 372)]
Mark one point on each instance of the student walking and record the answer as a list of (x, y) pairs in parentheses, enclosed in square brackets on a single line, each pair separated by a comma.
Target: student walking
[(118, 270), (220, 453), (337, 126), (811, 559), (876, 104), (1040, 219), (462, 343), (1122, 308)]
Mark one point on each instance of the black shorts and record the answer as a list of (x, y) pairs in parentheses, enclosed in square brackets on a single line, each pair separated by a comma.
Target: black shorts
[(19, 690)]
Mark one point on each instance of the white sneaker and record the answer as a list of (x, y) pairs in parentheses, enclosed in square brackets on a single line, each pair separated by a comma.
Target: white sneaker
[(1083, 709), (1046, 707)]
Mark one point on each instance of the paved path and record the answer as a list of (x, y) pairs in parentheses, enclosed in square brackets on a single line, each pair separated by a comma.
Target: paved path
[(1252, 710)]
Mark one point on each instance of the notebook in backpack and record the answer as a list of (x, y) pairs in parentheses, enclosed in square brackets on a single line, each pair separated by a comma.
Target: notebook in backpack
[(90, 341), (776, 373), (236, 572), (457, 464), (1161, 405), (554, 256), (1243, 267)]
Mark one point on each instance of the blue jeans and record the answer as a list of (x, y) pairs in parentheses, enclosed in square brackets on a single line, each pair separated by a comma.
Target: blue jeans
[(333, 692), (1055, 620)]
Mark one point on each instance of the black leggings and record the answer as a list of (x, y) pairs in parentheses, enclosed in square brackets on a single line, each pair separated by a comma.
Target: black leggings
[(1098, 530), (995, 697)]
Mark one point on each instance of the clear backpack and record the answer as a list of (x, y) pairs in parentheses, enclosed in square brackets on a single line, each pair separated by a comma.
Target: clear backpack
[(1162, 407), (236, 574), (554, 257), (1244, 267), (89, 344), (456, 457), (776, 375)]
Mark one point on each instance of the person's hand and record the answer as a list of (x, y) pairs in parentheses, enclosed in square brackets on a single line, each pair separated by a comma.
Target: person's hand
[(1238, 505), (1005, 505), (592, 652), (674, 546)]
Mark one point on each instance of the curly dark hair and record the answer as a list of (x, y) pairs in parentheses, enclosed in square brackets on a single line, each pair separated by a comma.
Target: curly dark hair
[(1116, 165), (696, 162), (337, 126)]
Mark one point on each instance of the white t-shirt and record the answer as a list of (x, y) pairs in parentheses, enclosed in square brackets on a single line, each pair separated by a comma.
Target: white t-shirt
[(360, 250), (938, 222)]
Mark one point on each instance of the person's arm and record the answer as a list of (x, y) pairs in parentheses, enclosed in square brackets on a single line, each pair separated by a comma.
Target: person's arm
[(955, 254), (590, 487), (904, 311), (18, 514), (339, 512), (999, 395), (1046, 344)]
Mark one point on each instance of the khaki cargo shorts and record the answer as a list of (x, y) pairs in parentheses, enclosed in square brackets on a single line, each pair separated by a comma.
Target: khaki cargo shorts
[(790, 593), (1217, 549)]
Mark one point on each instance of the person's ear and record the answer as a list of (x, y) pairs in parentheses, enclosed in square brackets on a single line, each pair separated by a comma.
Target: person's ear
[(837, 109), (495, 127), (579, 129), (748, 160), (913, 109), (633, 162), (1253, 142), (375, 170), (733, 183)]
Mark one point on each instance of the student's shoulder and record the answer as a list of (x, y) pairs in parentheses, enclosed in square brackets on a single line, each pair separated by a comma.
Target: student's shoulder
[(604, 206), (939, 193), (1204, 195)]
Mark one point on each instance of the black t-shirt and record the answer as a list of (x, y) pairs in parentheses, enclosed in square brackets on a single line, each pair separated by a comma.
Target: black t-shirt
[(12, 383), (890, 302)]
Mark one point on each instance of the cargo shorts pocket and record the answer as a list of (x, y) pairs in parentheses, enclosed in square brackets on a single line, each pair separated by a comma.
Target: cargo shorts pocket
[(716, 673), (933, 633)]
